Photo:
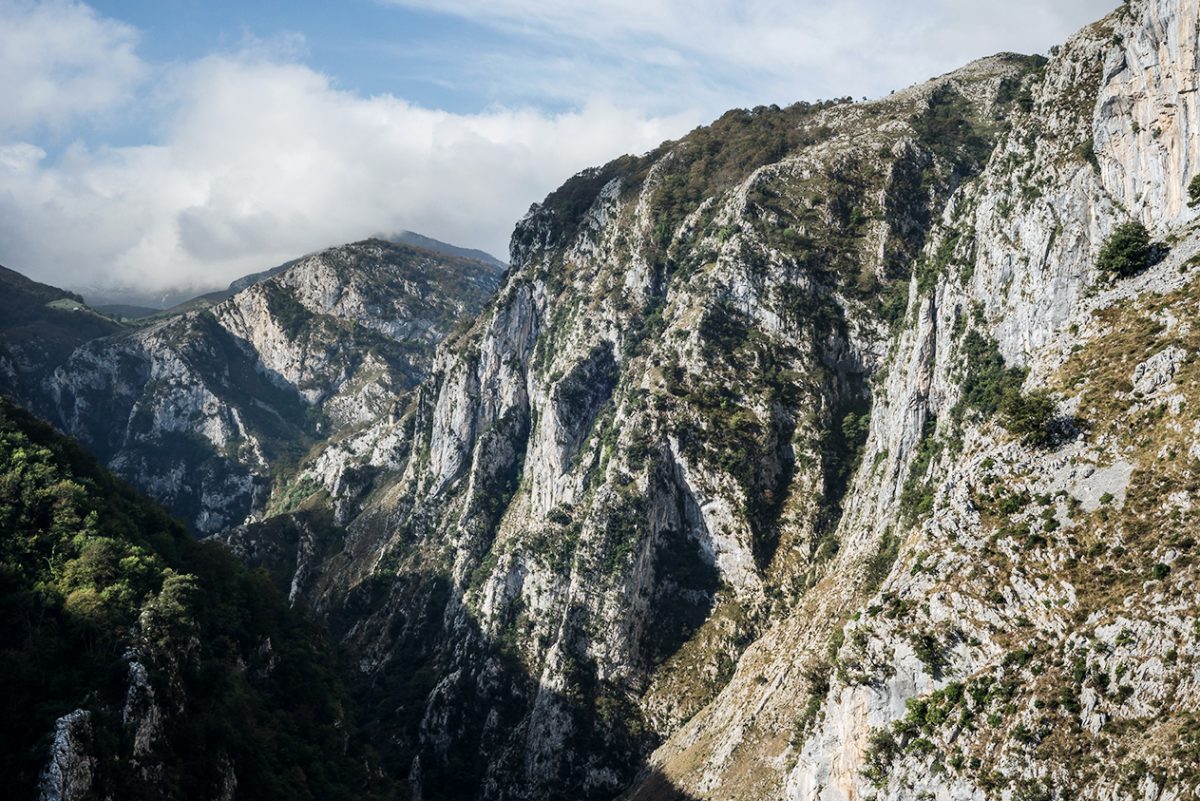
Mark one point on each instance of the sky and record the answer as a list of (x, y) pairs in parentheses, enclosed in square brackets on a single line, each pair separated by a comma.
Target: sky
[(149, 145)]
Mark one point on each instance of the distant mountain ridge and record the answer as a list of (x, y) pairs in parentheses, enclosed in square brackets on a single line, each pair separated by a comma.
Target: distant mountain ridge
[(205, 405), (428, 243), (136, 304), (40, 326)]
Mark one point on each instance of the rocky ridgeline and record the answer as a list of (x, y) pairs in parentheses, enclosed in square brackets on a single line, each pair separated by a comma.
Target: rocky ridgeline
[(206, 409)]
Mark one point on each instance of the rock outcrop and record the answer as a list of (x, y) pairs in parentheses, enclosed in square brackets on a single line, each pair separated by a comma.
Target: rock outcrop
[(68, 773)]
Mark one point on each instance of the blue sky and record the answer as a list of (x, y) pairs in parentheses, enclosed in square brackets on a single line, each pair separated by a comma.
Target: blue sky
[(185, 143), (370, 47)]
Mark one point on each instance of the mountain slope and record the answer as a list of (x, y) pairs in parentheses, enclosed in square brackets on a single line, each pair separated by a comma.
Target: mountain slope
[(413, 239), (814, 452), (140, 664), (206, 409), (985, 630), (40, 326), (490, 266), (617, 480)]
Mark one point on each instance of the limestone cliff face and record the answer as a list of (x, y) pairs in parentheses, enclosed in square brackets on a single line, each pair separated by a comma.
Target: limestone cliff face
[(1026, 631), (206, 409), (734, 492), (635, 465)]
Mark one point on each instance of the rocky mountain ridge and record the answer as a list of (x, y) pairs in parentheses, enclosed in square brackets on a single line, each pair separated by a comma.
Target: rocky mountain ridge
[(205, 409)]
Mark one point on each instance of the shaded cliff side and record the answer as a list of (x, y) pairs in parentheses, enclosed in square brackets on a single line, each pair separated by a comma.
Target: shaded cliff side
[(141, 664)]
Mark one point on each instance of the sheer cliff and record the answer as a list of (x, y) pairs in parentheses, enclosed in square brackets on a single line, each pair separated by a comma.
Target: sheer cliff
[(814, 455)]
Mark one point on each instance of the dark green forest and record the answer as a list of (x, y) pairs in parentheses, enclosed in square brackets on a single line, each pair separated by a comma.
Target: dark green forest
[(93, 576)]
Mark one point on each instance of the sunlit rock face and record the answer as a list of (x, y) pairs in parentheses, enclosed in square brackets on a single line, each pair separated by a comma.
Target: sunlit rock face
[(207, 408), (741, 488), (811, 456)]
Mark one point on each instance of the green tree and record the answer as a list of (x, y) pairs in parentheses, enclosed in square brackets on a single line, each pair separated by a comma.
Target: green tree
[(1030, 416), (1127, 251)]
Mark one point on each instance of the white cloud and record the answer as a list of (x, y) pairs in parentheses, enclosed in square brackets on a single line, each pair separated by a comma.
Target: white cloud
[(744, 52), (264, 161), (259, 158), (60, 61), (19, 158)]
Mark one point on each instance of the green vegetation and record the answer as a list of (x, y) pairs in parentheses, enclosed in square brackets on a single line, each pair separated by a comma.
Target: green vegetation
[(991, 387), (1127, 251), (988, 380), (949, 128), (929, 271), (930, 651), (916, 497), (713, 158), (1030, 417), (39, 329), (291, 315), (1194, 192), (706, 162), (92, 575), (881, 563)]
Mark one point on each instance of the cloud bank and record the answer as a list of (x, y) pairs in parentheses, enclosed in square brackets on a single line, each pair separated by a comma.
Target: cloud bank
[(265, 161), (60, 62), (255, 158)]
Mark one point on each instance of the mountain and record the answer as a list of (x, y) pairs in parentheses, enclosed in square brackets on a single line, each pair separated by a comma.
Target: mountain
[(134, 304), (416, 240), (125, 311), (830, 452), (205, 409), (40, 326), (637, 464), (487, 264), (141, 664)]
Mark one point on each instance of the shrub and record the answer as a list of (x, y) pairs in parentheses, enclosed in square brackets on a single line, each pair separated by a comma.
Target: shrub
[(917, 496), (881, 751), (988, 380), (1030, 417), (927, 649), (1194, 192), (1127, 251)]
